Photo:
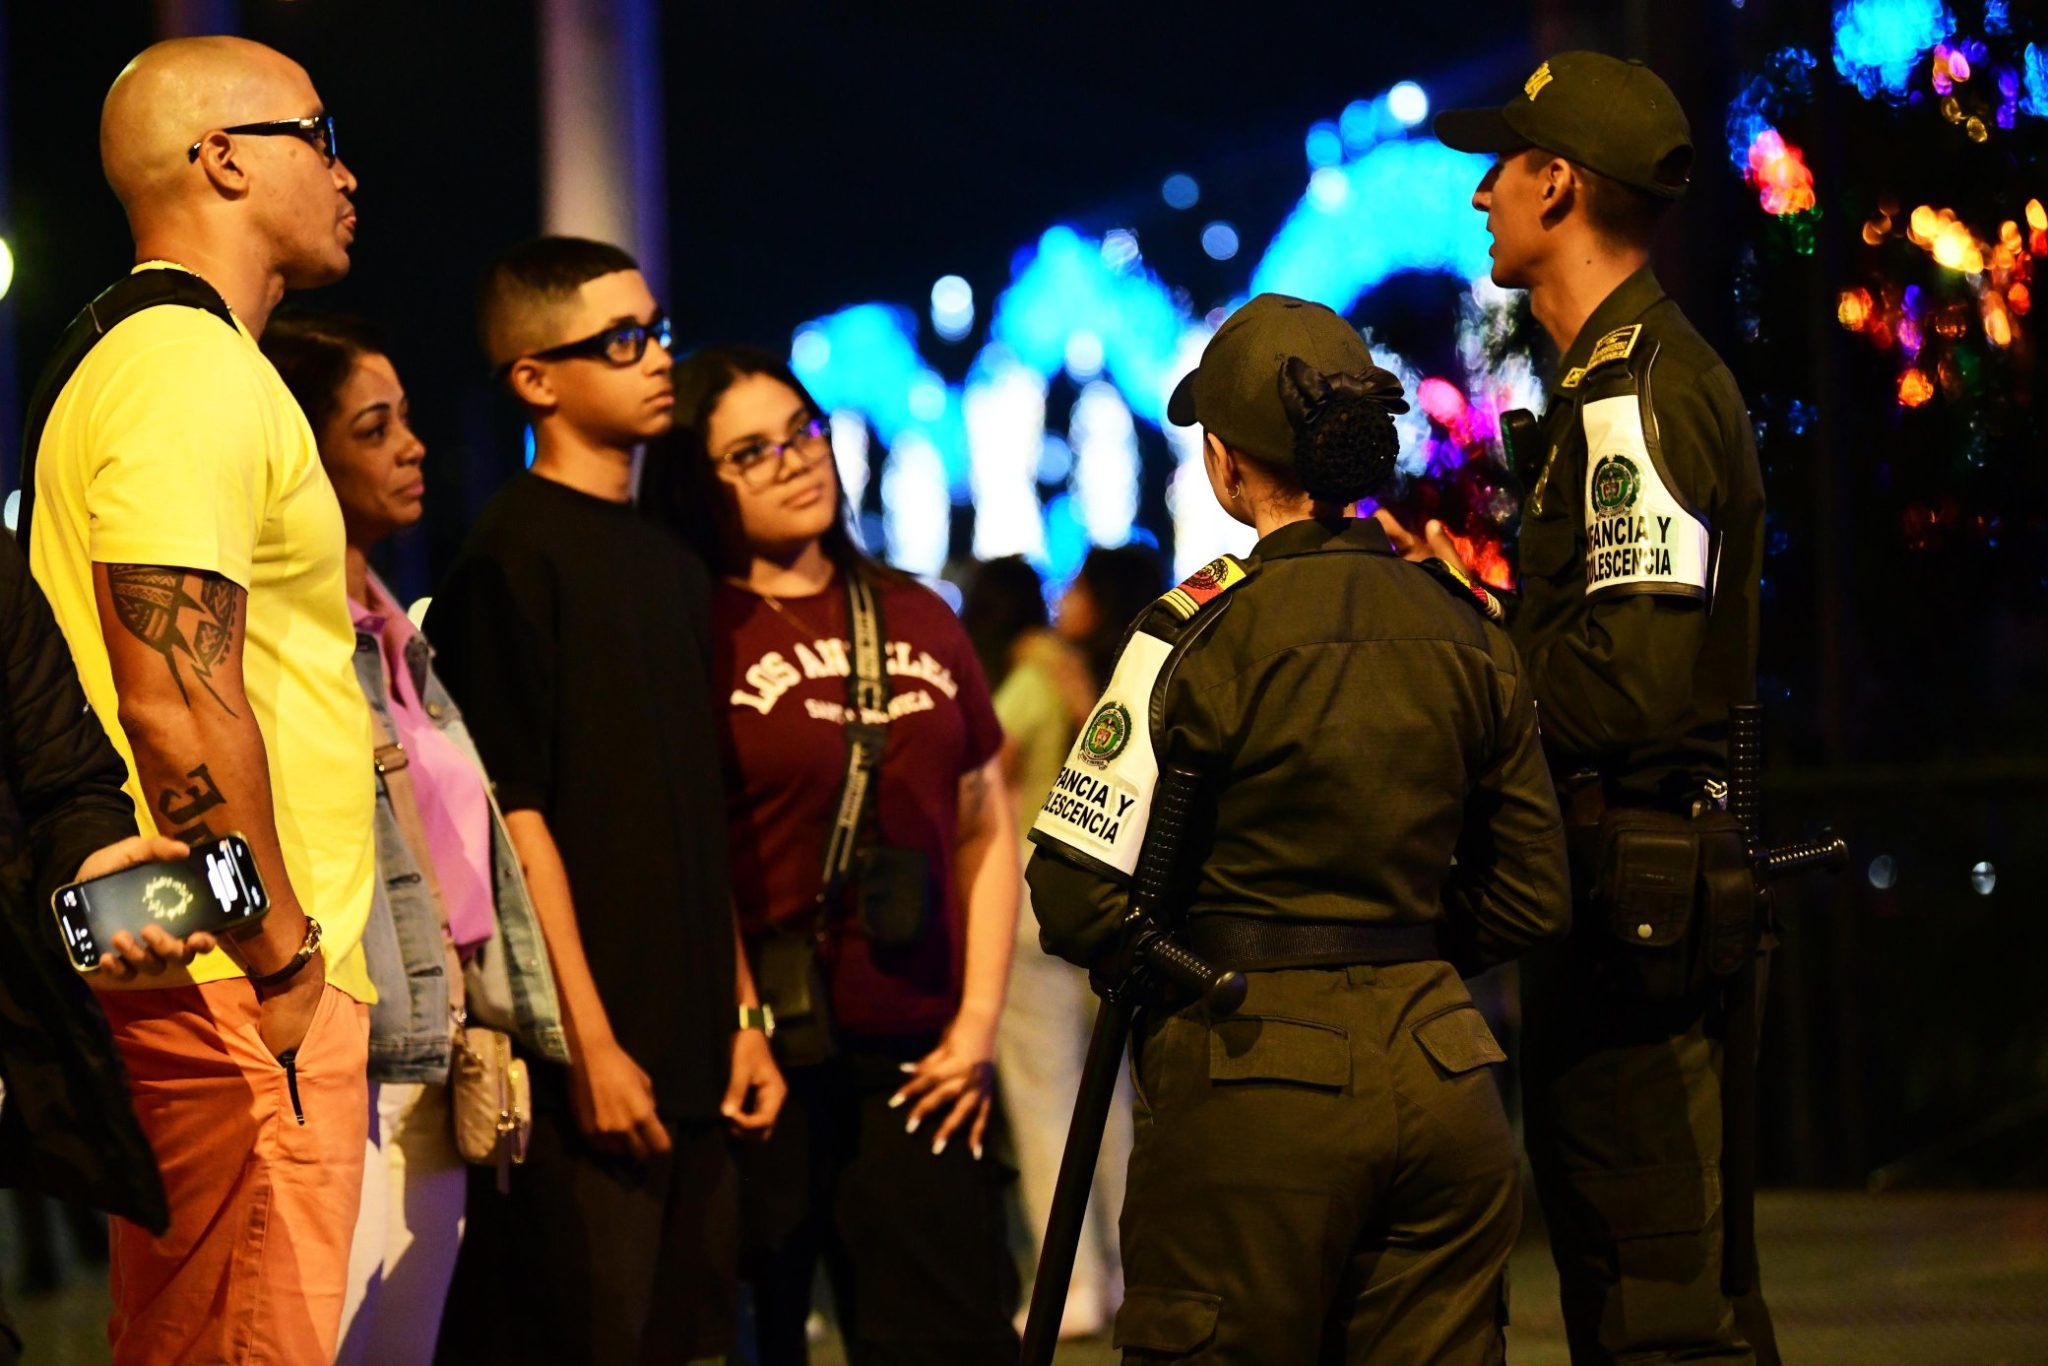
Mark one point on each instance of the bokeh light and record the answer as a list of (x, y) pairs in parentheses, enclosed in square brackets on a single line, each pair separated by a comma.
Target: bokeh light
[(1408, 103), (952, 307), (1180, 192)]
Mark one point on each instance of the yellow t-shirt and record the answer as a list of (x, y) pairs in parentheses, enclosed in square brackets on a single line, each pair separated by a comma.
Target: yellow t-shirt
[(176, 443)]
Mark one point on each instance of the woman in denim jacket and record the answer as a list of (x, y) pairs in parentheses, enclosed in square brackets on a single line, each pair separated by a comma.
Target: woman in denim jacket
[(450, 940)]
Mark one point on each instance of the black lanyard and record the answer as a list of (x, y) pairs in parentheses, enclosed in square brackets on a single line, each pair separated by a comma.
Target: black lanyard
[(867, 731)]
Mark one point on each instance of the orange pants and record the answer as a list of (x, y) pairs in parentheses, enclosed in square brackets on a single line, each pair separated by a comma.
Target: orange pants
[(263, 1165)]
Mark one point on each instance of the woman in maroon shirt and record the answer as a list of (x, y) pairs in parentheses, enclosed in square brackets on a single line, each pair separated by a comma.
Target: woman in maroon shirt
[(877, 1165)]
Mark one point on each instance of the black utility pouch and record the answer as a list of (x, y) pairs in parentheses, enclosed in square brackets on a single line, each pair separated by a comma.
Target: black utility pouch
[(1648, 885), (893, 895), (1731, 921), (790, 978)]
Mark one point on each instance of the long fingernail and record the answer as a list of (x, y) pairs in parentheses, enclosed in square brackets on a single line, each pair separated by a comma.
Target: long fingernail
[(896, 1100), (906, 1067), (938, 1147), (977, 1152), (911, 1127)]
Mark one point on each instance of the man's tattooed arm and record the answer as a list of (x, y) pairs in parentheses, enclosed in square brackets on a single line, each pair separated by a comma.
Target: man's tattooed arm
[(200, 757), (185, 616)]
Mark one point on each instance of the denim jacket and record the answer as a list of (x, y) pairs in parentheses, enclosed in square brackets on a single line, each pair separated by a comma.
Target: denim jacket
[(507, 983)]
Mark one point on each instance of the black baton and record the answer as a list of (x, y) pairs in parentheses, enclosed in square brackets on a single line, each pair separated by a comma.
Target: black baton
[(1744, 1002), (1153, 958)]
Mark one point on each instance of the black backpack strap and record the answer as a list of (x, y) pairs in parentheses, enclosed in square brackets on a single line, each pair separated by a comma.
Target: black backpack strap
[(124, 298)]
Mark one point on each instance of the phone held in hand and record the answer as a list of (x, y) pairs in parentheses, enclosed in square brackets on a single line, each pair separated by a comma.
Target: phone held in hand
[(214, 889)]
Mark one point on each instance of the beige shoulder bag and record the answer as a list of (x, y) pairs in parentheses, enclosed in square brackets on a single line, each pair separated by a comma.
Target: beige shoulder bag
[(489, 1095)]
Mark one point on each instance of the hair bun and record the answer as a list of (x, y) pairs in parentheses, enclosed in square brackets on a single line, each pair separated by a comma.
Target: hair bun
[(1344, 438)]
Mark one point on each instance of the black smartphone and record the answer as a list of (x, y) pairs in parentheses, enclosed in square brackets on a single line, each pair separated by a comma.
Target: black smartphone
[(214, 889)]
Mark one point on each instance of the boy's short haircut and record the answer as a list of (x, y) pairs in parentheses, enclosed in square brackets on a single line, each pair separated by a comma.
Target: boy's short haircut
[(526, 290)]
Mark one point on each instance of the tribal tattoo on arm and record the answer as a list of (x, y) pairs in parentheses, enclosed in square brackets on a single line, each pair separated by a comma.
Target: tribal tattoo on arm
[(184, 615)]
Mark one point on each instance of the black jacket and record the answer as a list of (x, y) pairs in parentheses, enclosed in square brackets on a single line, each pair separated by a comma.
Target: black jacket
[(67, 1126), (1640, 560), (1372, 751)]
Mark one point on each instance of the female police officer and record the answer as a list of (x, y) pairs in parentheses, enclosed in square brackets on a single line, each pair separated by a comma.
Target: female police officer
[(1327, 1174)]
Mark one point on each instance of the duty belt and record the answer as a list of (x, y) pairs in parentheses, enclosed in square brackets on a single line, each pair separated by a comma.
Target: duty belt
[(1244, 943)]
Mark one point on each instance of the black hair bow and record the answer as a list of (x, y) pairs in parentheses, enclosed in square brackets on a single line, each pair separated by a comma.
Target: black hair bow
[(1306, 391)]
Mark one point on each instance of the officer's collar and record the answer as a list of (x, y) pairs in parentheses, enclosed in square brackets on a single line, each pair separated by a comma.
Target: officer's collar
[(1314, 536), (1628, 301)]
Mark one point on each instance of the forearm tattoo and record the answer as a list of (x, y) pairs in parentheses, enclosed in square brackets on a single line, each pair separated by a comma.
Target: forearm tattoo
[(193, 633), (181, 807)]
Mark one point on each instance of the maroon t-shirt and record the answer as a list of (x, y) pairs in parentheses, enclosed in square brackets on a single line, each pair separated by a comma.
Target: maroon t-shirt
[(784, 677)]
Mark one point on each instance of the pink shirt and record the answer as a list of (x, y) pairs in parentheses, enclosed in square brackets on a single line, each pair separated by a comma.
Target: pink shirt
[(455, 810)]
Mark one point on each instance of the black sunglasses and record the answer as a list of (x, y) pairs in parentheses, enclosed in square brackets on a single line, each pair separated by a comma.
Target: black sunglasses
[(316, 129), (620, 345)]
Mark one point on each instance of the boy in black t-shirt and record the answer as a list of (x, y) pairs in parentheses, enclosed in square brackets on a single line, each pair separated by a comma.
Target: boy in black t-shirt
[(574, 634)]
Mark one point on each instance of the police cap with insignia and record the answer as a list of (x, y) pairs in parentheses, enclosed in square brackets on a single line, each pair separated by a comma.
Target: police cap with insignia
[(1274, 357), (1612, 116)]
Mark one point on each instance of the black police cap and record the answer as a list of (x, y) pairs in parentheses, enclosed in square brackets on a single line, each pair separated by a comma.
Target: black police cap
[(1612, 116)]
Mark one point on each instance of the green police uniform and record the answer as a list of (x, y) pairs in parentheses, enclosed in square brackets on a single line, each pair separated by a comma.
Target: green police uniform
[(1641, 551), (1326, 1174)]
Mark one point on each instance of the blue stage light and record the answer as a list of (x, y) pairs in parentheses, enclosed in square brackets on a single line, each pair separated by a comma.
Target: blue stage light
[(2034, 99), (1408, 103), (1180, 192), (1325, 146), (1064, 287), (1879, 42), (1359, 125), (1219, 240), (864, 359), (1407, 206), (952, 307)]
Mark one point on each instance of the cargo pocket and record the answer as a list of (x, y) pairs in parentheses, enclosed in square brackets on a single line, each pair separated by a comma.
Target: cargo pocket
[(1254, 1048), (1666, 1248), (1163, 1322), (1458, 1040), (1645, 1202)]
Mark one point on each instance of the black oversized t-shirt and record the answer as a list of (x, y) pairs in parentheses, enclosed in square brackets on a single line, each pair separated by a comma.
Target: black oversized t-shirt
[(574, 635)]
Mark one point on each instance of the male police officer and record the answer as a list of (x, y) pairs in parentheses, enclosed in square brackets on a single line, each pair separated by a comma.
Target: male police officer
[(1641, 549)]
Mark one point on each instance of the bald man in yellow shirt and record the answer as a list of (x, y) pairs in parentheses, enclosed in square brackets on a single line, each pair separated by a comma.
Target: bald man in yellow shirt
[(192, 550)]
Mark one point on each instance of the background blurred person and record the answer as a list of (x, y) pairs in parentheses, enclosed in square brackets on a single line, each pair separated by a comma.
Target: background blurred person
[(576, 636), (451, 896), (1115, 584), (878, 1164), (1045, 684)]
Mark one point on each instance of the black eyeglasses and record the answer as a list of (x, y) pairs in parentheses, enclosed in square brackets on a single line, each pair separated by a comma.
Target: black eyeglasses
[(758, 465), (621, 346), (315, 129)]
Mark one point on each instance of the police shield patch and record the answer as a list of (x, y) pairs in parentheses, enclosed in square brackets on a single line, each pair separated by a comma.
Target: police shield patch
[(1616, 483), (1102, 801), (1106, 736), (1639, 537)]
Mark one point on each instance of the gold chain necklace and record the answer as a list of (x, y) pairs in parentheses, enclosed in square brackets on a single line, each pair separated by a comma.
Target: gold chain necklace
[(775, 605)]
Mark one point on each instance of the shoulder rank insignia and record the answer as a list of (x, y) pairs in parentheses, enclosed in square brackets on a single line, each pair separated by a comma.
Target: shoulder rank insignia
[(1614, 346), (1572, 377), (1205, 585), (1467, 589)]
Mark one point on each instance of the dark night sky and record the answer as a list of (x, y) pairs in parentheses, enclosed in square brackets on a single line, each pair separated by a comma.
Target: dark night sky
[(831, 158)]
